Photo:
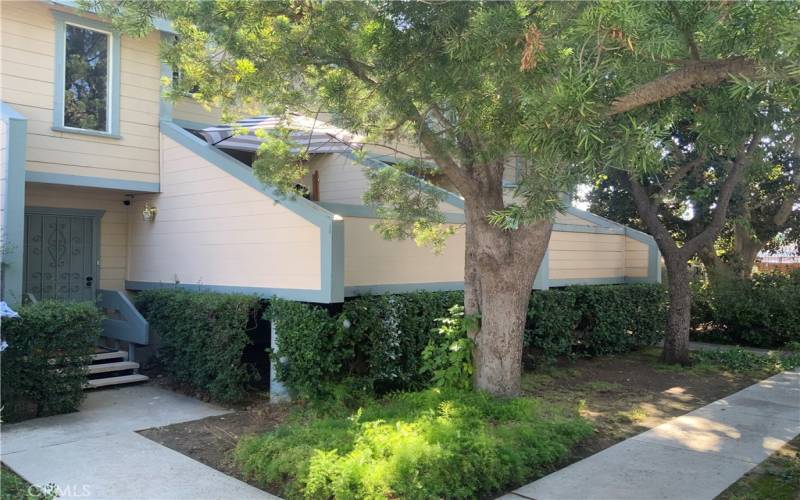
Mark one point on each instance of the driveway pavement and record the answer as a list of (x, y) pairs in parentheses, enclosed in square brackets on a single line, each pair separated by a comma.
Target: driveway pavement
[(96, 453)]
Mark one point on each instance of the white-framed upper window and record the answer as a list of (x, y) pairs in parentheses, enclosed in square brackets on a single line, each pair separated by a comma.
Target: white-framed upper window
[(87, 77)]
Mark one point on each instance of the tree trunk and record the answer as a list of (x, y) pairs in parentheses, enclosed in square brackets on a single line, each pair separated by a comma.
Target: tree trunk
[(747, 246), (500, 267), (679, 314)]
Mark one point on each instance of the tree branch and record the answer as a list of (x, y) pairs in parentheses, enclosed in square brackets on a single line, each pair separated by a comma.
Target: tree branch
[(649, 213), (679, 174), (691, 75), (792, 198), (740, 165), (686, 34)]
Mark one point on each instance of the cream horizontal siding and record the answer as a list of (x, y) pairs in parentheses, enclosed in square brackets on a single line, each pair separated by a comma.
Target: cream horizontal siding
[(372, 260), (113, 225), (27, 80), (342, 180), (212, 229), (636, 258), (190, 110), (586, 255)]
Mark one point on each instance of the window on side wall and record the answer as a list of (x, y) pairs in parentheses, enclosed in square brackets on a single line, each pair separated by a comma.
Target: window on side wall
[(87, 83)]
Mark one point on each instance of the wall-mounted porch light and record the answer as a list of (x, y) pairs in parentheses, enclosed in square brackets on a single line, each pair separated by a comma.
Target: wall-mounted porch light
[(149, 213)]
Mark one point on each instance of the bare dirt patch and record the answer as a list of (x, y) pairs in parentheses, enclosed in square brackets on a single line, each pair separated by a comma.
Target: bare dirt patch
[(211, 440), (628, 394)]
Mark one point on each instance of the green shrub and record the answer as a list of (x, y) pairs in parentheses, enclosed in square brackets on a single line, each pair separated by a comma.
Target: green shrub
[(374, 344), (739, 360), (313, 347), (552, 320), (763, 311), (430, 444), (594, 320), (44, 367), (448, 355), (389, 333), (202, 338)]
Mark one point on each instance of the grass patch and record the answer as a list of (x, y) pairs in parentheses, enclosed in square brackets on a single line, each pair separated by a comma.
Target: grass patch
[(428, 444), (777, 478), (602, 386), (13, 487), (634, 415)]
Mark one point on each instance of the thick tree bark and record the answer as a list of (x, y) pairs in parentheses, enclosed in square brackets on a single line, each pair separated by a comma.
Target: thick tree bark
[(500, 267), (690, 75), (679, 314)]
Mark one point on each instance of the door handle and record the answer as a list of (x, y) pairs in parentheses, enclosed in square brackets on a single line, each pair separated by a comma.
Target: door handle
[(89, 281)]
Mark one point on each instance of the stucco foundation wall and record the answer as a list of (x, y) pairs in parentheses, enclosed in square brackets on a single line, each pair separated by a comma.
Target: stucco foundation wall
[(27, 75), (213, 229), (586, 255), (113, 224), (372, 260)]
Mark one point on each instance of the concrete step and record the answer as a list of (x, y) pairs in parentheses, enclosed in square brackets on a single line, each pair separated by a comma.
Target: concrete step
[(122, 379), (102, 356), (113, 367)]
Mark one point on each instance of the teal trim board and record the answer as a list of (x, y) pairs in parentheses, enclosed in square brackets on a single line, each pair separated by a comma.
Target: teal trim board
[(370, 212), (373, 161), (300, 294), (12, 239), (92, 182), (331, 226), (61, 20), (165, 105), (542, 279), (354, 291)]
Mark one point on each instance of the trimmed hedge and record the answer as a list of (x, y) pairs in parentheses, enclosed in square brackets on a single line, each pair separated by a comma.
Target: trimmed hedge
[(202, 338), (44, 367), (763, 311), (594, 320), (376, 343)]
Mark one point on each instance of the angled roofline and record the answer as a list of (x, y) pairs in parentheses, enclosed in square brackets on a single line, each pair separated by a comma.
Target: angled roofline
[(331, 226), (159, 24)]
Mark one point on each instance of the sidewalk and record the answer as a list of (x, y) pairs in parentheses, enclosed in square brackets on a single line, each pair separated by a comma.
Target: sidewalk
[(695, 456), (96, 453)]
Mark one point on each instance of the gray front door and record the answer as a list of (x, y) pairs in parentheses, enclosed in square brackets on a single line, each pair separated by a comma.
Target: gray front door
[(60, 255)]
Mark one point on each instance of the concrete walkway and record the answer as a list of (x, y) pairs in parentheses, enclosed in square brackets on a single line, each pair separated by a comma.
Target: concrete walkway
[(695, 456), (95, 453)]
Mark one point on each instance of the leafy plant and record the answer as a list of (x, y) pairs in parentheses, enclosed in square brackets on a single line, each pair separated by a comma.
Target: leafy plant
[(202, 336), (739, 360), (437, 443), (763, 311), (44, 366), (374, 344), (594, 320), (448, 355)]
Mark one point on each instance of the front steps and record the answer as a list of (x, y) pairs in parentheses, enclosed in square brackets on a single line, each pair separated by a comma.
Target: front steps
[(111, 367)]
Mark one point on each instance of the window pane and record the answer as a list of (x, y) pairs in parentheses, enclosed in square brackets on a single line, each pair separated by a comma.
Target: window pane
[(86, 79)]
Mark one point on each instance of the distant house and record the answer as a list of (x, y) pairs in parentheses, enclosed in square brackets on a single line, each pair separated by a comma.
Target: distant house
[(106, 188), (783, 259)]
